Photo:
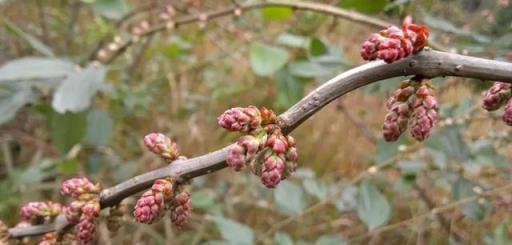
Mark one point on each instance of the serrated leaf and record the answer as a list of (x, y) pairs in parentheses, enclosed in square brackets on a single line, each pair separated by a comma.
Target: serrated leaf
[(112, 9), (13, 98), (281, 238), (99, 128), (266, 60), (34, 42), (290, 198), (372, 207), (77, 90), (67, 130), (276, 13), (35, 68), (233, 232)]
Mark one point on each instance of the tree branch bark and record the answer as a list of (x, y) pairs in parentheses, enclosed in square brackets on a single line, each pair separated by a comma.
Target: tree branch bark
[(427, 63)]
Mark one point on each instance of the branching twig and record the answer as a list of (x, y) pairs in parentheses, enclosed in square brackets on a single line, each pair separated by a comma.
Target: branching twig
[(233, 10), (427, 63)]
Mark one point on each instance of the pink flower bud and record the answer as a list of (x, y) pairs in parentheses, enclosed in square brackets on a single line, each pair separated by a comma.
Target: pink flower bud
[(34, 210), (73, 211), (395, 121), (77, 186), (152, 202), (507, 115), (277, 142), (272, 171), (244, 151), (497, 96), (181, 208), (424, 117), (392, 44), (86, 228), (241, 119), (161, 145)]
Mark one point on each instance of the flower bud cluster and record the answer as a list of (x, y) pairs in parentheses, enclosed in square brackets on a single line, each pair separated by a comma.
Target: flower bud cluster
[(393, 43), (264, 148), (152, 202), (162, 146), (413, 105), (85, 209), (33, 211), (498, 95), (181, 207)]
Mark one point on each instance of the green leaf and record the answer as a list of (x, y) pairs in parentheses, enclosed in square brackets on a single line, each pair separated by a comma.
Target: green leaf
[(372, 207), (35, 68), (67, 130), (330, 240), (317, 47), (34, 42), (500, 234), (13, 98), (233, 232), (266, 60), (289, 89), (365, 6), (463, 188), (67, 166), (308, 69), (449, 140), (99, 128), (112, 9), (290, 198), (347, 200), (387, 150), (281, 238), (76, 92), (293, 40), (203, 199), (316, 188), (276, 13)]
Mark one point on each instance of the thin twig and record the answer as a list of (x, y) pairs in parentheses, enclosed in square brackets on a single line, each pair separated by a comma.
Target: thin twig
[(427, 63)]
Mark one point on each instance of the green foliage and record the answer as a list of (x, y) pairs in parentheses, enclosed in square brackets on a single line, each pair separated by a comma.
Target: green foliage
[(372, 207), (276, 13), (365, 6), (67, 129), (233, 232), (266, 60), (290, 198)]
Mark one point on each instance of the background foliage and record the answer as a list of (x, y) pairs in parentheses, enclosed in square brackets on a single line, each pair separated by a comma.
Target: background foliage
[(63, 115)]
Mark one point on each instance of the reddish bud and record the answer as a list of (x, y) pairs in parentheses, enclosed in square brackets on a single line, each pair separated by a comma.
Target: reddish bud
[(496, 96), (161, 145), (240, 119), (181, 208), (267, 116), (507, 115), (424, 116), (152, 202), (277, 142), (86, 228), (244, 151), (49, 238), (33, 210), (272, 171), (75, 187)]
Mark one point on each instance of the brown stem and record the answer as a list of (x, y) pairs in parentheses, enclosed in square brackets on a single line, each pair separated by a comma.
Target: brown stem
[(427, 63)]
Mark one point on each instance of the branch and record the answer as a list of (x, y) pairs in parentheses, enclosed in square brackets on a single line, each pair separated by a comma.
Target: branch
[(427, 63), (298, 5)]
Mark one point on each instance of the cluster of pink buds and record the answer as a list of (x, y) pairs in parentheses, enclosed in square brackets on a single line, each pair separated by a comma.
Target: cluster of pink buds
[(162, 146), (412, 104), (498, 95), (393, 43), (46, 210), (150, 205), (181, 208), (270, 154), (85, 210)]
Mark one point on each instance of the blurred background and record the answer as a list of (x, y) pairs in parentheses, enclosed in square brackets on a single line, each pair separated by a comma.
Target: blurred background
[(77, 99)]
